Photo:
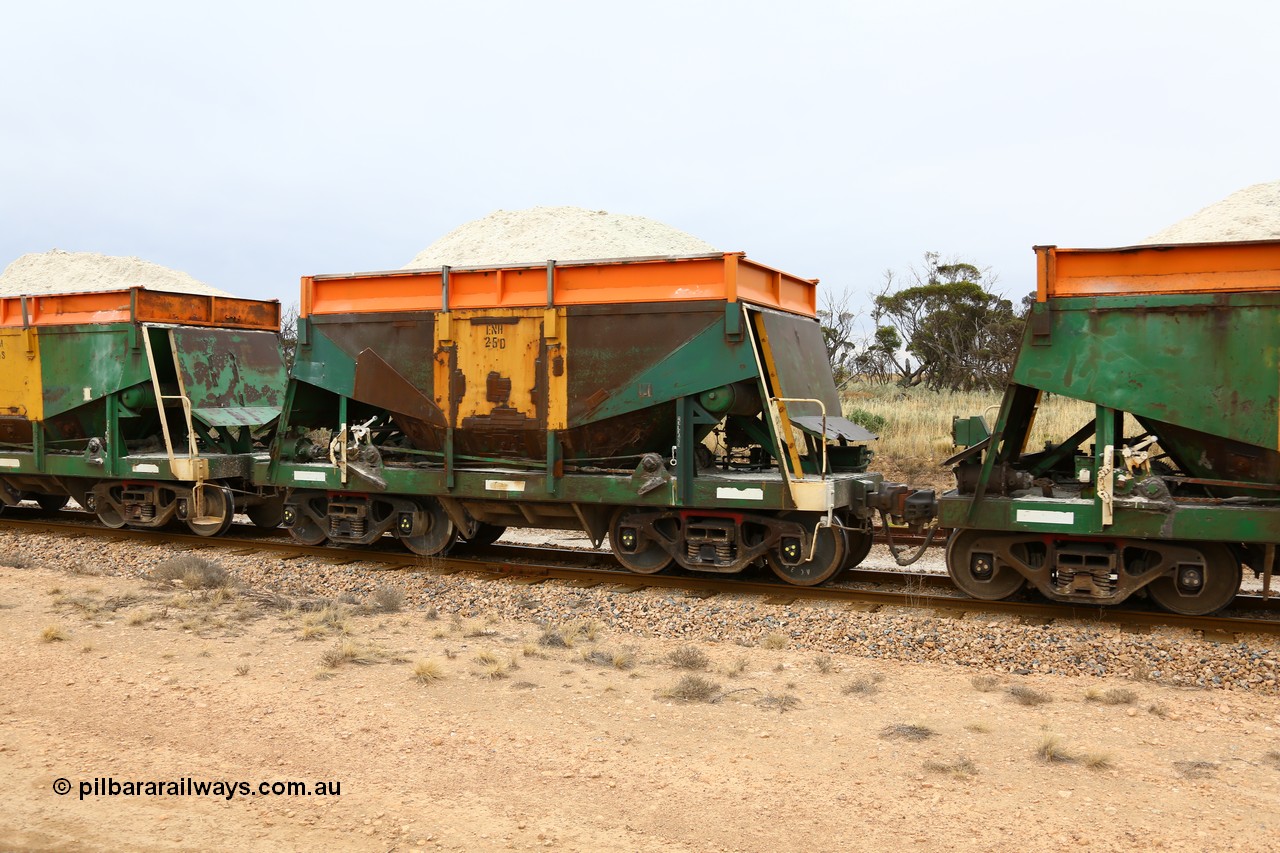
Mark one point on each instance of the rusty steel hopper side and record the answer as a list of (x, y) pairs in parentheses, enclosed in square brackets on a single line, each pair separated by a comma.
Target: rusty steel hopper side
[(595, 352)]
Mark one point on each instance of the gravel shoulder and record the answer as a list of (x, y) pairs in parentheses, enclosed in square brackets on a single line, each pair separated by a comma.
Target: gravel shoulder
[(540, 717)]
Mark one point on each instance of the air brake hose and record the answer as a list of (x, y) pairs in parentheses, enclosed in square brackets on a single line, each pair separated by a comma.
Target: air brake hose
[(888, 535)]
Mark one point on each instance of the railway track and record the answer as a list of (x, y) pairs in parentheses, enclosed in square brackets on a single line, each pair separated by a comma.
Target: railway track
[(864, 589)]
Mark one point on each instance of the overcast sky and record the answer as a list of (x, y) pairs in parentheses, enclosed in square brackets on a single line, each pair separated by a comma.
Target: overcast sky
[(251, 143)]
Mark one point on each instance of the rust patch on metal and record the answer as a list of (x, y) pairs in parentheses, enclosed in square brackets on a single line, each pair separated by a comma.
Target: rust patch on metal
[(596, 399), (380, 384), (497, 388)]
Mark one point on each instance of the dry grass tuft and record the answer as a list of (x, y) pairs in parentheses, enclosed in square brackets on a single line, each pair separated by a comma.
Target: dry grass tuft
[(88, 606), (775, 641), (349, 651), (53, 634), (142, 616), (566, 636), (1024, 695), (979, 728), (824, 664), (222, 595), (269, 598), (688, 657), (486, 657), (1114, 696), (1158, 710), (961, 767), (332, 617), (192, 572), (388, 599), (494, 671), (1195, 769), (693, 688), (782, 702), (1098, 761), (1052, 750), (736, 668), (985, 683), (907, 731), (864, 685), (14, 560), (619, 659), (312, 632), (558, 637), (427, 671), (242, 669), (916, 431)]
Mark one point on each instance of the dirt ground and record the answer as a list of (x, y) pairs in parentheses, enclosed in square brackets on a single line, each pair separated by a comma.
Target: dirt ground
[(523, 745)]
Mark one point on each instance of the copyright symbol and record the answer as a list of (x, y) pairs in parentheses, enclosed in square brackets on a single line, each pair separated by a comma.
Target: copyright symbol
[(61, 786)]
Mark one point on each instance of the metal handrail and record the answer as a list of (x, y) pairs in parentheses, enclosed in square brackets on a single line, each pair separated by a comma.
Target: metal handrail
[(822, 474)]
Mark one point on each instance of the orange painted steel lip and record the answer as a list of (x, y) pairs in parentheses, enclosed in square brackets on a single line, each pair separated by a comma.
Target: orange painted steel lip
[(1239, 267), (138, 304), (728, 276)]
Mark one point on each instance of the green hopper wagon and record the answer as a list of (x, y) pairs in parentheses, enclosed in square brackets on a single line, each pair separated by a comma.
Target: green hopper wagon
[(1173, 484), (682, 407), (144, 406)]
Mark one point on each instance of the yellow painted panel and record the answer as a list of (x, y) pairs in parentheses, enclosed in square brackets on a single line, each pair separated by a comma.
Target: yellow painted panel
[(498, 354), (20, 388)]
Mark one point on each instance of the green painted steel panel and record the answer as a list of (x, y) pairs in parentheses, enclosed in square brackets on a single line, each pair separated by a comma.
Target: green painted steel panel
[(81, 364), (703, 362), (1203, 522), (1206, 363), (237, 415), (229, 369), (326, 365), (764, 492)]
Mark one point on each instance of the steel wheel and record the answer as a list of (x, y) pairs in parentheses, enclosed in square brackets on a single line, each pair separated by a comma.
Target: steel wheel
[(976, 571), (859, 544), (306, 532), (486, 534), (439, 534), (217, 510), (267, 514), (105, 512), (1192, 591), (828, 558), (51, 503), (635, 552)]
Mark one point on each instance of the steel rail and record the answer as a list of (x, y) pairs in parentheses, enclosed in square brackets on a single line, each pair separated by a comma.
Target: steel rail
[(535, 564)]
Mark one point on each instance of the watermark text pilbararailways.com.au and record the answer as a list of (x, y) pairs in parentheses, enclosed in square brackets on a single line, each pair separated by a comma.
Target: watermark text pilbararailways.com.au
[(107, 786)]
